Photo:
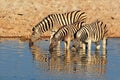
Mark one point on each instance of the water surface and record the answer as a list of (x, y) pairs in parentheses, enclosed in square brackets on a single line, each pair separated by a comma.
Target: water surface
[(18, 61)]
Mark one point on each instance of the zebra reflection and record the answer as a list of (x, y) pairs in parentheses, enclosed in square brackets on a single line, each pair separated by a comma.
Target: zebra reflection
[(69, 61), (37, 54), (78, 62)]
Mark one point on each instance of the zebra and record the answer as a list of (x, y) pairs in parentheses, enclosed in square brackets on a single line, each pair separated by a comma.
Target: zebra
[(53, 22), (94, 32), (65, 33)]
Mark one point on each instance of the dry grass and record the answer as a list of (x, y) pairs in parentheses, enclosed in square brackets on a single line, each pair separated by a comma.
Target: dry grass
[(17, 17)]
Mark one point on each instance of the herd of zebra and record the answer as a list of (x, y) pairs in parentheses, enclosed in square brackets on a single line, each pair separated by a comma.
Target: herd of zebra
[(71, 26)]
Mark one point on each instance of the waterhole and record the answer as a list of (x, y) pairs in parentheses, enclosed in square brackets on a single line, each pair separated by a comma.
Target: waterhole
[(19, 61)]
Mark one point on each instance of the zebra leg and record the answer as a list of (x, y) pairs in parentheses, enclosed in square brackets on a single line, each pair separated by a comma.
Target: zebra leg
[(89, 47), (67, 44), (51, 35), (104, 43), (58, 46), (83, 48), (81, 44), (52, 32), (50, 39)]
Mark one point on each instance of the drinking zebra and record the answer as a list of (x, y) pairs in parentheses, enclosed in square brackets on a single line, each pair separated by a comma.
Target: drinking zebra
[(54, 21), (65, 33), (94, 32)]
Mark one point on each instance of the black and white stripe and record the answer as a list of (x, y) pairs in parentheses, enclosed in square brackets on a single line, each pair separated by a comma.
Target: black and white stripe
[(54, 21), (65, 33), (94, 32)]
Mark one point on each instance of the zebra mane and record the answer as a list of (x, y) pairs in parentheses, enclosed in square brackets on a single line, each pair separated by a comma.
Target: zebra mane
[(56, 35), (106, 31), (104, 27)]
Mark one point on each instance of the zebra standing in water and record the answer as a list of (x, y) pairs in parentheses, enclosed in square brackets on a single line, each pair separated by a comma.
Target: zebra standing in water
[(94, 32), (54, 21), (65, 33)]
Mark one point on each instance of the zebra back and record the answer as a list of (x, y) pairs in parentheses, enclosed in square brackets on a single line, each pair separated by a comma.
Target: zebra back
[(96, 30), (70, 17), (67, 30), (49, 22)]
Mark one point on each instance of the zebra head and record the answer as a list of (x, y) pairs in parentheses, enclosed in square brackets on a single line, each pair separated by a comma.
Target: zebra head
[(35, 34), (53, 44), (76, 45)]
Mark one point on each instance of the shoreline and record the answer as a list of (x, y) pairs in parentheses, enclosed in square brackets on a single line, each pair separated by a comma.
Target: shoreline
[(17, 18), (23, 38)]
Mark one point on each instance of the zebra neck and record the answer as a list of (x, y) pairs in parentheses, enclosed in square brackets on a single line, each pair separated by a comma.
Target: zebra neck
[(59, 35), (46, 24), (55, 23), (83, 35)]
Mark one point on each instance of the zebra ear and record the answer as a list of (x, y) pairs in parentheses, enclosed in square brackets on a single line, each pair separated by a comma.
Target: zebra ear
[(33, 29), (105, 25), (98, 21)]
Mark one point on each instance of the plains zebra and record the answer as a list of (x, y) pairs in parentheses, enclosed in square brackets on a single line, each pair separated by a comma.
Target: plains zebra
[(94, 32), (65, 33), (54, 21)]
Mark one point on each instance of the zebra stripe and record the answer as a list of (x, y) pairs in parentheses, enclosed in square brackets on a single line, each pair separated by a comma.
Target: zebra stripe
[(65, 33), (94, 32), (54, 21)]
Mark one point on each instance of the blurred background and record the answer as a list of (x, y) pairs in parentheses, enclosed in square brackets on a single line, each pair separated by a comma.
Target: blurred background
[(17, 17)]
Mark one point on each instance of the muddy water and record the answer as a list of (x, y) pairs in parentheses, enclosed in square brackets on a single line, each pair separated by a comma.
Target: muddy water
[(19, 61)]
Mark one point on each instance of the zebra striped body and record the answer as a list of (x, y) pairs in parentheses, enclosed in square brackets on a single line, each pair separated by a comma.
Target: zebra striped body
[(94, 32), (65, 33), (54, 21)]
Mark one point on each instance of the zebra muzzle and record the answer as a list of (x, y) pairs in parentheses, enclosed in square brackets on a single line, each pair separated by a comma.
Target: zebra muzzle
[(51, 47)]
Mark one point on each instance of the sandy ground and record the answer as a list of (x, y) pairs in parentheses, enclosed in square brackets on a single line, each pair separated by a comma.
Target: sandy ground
[(17, 17)]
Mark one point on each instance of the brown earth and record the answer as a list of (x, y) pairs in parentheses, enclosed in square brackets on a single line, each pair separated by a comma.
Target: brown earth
[(17, 17)]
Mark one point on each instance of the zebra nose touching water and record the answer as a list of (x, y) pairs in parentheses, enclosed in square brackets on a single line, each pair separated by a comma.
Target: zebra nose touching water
[(65, 33), (94, 32), (54, 21)]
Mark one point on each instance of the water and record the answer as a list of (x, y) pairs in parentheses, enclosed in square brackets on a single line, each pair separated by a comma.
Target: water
[(18, 61)]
